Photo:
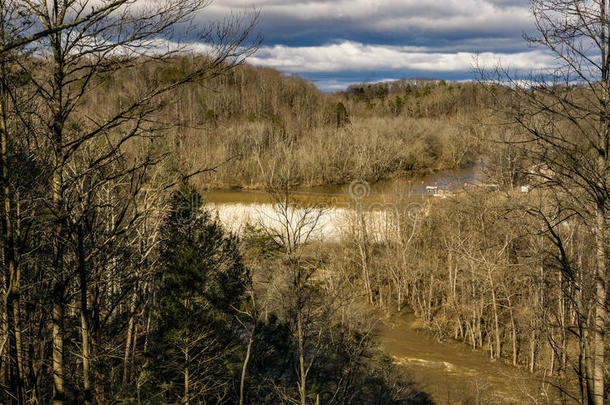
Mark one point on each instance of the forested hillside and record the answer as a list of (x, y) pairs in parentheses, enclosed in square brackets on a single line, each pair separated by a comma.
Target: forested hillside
[(253, 122)]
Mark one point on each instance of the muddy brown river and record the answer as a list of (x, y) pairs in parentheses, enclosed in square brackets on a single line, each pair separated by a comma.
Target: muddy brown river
[(414, 187), (453, 373)]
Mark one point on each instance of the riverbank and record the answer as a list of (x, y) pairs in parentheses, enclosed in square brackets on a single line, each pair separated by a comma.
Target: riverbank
[(452, 373), (413, 185)]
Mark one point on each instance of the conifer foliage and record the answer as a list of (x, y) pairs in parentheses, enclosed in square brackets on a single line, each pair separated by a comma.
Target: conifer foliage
[(202, 281)]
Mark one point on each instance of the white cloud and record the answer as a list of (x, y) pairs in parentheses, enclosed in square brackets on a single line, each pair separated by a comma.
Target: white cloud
[(360, 57)]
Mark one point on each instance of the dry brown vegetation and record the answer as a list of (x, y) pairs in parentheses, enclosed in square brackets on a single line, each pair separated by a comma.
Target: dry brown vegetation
[(475, 269), (255, 121)]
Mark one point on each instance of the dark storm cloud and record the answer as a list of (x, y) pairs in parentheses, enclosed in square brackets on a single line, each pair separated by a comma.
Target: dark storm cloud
[(354, 38), (391, 22)]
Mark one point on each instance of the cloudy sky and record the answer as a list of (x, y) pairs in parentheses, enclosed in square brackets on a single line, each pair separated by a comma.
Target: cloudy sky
[(339, 42)]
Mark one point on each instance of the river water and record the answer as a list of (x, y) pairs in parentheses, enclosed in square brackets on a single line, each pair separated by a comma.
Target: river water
[(453, 373), (451, 180), (333, 206)]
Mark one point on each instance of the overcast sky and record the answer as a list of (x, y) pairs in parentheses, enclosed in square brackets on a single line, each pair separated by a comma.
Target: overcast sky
[(339, 42)]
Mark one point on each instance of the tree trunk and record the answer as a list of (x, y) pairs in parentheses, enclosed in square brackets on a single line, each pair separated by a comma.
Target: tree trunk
[(186, 373), (58, 291), (601, 228), (130, 330), (58, 350), (532, 366), (57, 191), (494, 304), (363, 247), (244, 367), (302, 376), (95, 340), (13, 277), (84, 317), (600, 311), (58, 297), (513, 328)]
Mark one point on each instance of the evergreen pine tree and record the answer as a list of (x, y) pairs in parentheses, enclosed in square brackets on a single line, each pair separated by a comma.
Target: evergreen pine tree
[(202, 280)]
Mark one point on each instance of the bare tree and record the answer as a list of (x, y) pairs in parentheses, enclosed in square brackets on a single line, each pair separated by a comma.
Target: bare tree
[(292, 226), (72, 45), (564, 115)]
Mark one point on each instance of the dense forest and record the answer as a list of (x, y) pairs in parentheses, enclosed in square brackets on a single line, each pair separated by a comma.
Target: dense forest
[(252, 122), (120, 285)]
